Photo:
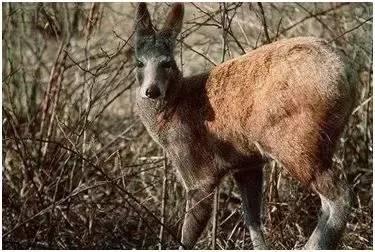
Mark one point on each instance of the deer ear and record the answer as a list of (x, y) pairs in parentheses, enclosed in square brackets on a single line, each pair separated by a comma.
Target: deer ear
[(142, 22), (174, 21)]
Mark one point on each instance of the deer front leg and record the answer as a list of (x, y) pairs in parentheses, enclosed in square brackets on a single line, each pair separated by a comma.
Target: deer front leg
[(198, 212)]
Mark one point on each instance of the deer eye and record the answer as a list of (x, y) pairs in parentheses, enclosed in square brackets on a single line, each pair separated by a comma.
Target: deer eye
[(166, 64), (139, 64)]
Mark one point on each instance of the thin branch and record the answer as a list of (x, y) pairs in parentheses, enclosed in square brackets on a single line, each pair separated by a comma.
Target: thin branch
[(353, 29), (79, 66), (264, 22), (163, 202)]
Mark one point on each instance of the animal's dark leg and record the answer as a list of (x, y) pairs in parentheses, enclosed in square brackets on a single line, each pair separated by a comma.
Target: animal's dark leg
[(198, 212), (250, 185), (336, 197)]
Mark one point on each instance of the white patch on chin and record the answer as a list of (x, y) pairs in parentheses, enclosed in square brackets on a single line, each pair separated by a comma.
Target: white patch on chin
[(142, 92)]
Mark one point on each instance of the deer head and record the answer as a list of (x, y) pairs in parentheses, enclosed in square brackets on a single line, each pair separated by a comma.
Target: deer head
[(157, 70)]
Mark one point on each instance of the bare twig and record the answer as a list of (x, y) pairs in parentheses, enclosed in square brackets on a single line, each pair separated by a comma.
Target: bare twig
[(214, 219), (264, 22), (350, 30), (163, 202)]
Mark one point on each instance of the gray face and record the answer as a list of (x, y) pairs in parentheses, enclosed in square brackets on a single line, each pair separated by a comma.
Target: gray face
[(156, 66)]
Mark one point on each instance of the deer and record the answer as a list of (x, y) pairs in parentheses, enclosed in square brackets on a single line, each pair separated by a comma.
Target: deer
[(288, 101)]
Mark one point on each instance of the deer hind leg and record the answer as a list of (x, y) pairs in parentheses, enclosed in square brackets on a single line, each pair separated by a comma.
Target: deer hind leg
[(250, 184), (198, 212), (336, 197)]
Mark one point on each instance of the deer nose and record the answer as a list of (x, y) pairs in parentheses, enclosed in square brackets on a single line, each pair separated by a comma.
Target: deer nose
[(153, 92)]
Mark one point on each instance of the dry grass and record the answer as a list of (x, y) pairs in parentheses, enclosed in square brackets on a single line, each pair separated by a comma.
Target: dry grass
[(79, 169)]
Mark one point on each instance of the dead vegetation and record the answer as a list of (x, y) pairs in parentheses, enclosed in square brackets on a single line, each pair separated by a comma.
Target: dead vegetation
[(79, 169)]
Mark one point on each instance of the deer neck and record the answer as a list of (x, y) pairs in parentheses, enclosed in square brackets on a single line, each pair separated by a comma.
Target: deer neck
[(157, 114)]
